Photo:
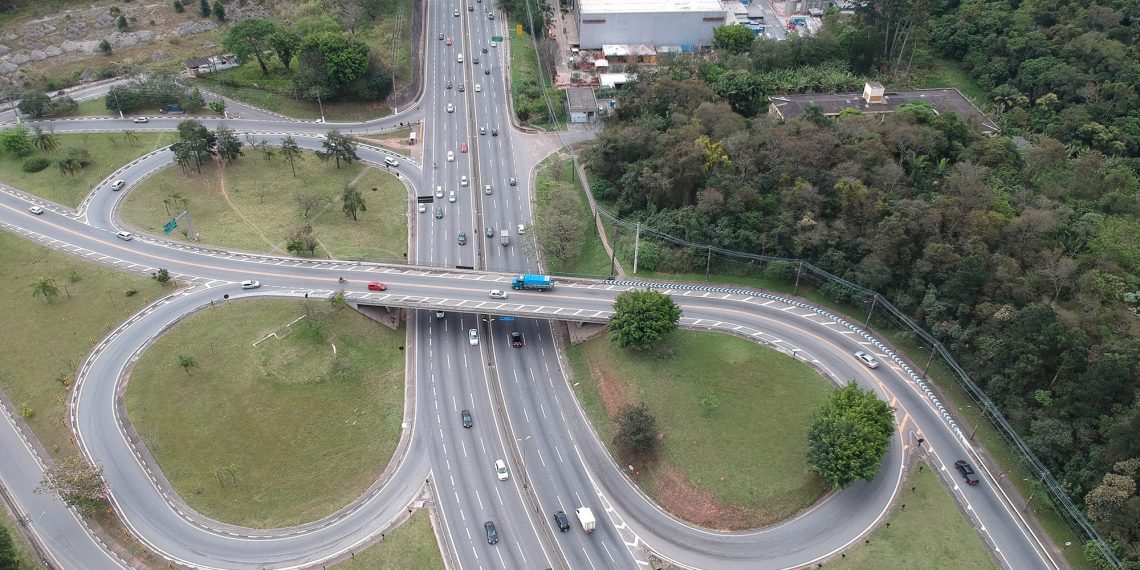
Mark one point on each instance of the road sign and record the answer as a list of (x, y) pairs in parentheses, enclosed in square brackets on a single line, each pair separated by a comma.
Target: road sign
[(506, 318), (518, 29), (169, 227), (496, 38)]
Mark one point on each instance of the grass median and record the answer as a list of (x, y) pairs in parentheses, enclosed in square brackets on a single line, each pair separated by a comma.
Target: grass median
[(289, 412), (741, 466), (255, 204), (410, 545)]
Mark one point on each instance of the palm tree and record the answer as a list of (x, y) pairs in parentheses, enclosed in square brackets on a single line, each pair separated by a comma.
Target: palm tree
[(131, 137), (68, 166), (187, 362), (44, 141), (45, 287)]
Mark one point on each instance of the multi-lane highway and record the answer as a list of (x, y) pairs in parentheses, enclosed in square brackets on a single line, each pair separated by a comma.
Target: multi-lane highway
[(521, 404)]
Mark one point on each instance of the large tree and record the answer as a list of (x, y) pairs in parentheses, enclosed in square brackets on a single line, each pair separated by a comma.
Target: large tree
[(642, 319), (733, 39), (352, 202), (77, 482), (251, 38), (560, 227), (636, 430), (330, 62), (339, 146), (228, 144), (849, 436)]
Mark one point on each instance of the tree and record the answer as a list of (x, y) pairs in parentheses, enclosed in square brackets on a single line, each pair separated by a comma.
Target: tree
[(330, 61), (187, 362), (219, 11), (642, 319), (45, 287), (68, 166), (34, 104), (339, 146), (637, 430), (162, 276), (16, 140), (849, 436), (105, 47), (77, 482), (559, 226), (308, 201), (228, 144), (351, 202), (196, 143), (45, 141), (204, 8), (285, 43), (291, 152), (249, 38), (8, 558), (218, 106), (734, 39), (121, 23), (178, 6)]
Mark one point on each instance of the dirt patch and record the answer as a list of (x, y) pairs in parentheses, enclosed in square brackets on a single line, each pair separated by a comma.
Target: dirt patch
[(614, 392)]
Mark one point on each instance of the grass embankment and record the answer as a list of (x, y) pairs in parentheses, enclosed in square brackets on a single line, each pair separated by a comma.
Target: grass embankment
[(25, 560), (593, 260), (411, 545), (927, 532), (524, 68), (38, 363), (109, 152), (742, 466), (252, 205), (277, 434)]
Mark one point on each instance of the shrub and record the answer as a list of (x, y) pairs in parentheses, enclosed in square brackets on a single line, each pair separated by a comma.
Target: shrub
[(36, 164)]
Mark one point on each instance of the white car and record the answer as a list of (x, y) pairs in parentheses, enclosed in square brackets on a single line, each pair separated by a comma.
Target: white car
[(439, 192), (455, 12), (451, 196), (473, 336), (867, 359), (36, 210), (487, 189), (493, 44), (118, 184), (451, 156), (125, 236), (423, 207), (478, 88), (450, 108), (391, 161), (522, 229), (250, 284), (463, 180), (498, 294), (141, 120), (501, 470)]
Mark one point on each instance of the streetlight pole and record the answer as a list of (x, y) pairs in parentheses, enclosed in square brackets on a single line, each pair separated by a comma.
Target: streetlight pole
[(321, 105)]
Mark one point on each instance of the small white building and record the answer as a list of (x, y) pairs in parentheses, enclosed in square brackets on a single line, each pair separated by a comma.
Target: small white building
[(581, 105), (687, 23)]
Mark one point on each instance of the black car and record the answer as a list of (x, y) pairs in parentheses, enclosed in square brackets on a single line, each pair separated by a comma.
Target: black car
[(489, 231), (462, 238), (516, 339), (562, 522), (966, 471), (466, 416), (492, 534), (512, 181)]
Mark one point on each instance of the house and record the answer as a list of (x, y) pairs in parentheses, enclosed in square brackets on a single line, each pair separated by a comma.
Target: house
[(581, 105), (198, 66), (876, 100)]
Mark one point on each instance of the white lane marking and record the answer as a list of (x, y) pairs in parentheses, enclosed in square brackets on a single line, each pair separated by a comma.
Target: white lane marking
[(526, 416), (559, 453), (542, 409), (479, 498), (540, 457), (463, 445), (500, 495)]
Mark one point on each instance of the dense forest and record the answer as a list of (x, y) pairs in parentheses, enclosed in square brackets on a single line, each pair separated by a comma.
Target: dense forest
[(1023, 259)]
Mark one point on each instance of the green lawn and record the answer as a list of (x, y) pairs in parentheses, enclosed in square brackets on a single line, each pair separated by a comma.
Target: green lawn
[(411, 545), (223, 83), (24, 557), (96, 107), (949, 74), (251, 205), (109, 152), (593, 260), (277, 434), (749, 454), (929, 532)]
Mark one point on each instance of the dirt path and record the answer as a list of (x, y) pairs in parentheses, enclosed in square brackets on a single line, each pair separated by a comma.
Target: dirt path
[(273, 249)]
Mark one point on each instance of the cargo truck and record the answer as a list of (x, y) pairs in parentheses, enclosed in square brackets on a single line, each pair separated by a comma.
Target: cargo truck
[(505, 237), (532, 282), (586, 517)]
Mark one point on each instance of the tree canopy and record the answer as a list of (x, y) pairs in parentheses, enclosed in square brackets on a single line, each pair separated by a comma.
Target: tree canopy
[(849, 436), (642, 319)]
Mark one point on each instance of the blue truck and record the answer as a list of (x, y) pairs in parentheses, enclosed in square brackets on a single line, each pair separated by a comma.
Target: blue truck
[(532, 282)]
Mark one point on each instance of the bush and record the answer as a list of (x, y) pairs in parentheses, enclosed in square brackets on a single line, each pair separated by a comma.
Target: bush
[(780, 270), (36, 164)]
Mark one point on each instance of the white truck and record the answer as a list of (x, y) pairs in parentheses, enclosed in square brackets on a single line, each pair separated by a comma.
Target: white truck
[(586, 517), (505, 237)]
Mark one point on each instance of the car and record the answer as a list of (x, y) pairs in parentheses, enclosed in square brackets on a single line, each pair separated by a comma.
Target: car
[(462, 88), (37, 210), (441, 35), (455, 12), (463, 180), (451, 196), (501, 470), (377, 286), (484, 50), (473, 337), (462, 238), (516, 339), (142, 120), (513, 182), (490, 15), (494, 132), (391, 161), (447, 85), (462, 147), (493, 44), (867, 359), (118, 184), (448, 42), (439, 192), (482, 130), (492, 534), (450, 108), (967, 472), (475, 61), (487, 189), (470, 8), (250, 284), (486, 71), (498, 294), (489, 231), (478, 88), (561, 521), (438, 213), (440, 314), (451, 156), (125, 236), (459, 58), (465, 415), (423, 207), (522, 229)]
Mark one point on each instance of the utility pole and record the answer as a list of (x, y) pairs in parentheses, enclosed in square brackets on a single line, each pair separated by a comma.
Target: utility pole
[(708, 264), (14, 109), (321, 105), (636, 246), (796, 287), (874, 298)]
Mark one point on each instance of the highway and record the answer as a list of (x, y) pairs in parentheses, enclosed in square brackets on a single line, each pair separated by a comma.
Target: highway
[(523, 408)]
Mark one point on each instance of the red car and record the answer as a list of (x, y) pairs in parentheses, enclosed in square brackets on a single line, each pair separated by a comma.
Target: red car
[(448, 42), (462, 147), (376, 286)]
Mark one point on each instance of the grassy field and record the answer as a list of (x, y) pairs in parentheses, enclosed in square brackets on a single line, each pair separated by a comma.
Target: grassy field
[(411, 545), (749, 454), (251, 205), (929, 532), (277, 434), (945, 73), (593, 260), (109, 152)]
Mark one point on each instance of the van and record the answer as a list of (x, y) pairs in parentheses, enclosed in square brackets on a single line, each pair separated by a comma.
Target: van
[(459, 58), (505, 237)]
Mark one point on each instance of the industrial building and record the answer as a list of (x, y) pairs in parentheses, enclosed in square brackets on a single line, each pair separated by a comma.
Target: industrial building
[(685, 23)]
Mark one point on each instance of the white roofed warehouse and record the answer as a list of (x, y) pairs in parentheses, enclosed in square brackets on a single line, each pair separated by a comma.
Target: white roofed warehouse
[(686, 23)]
